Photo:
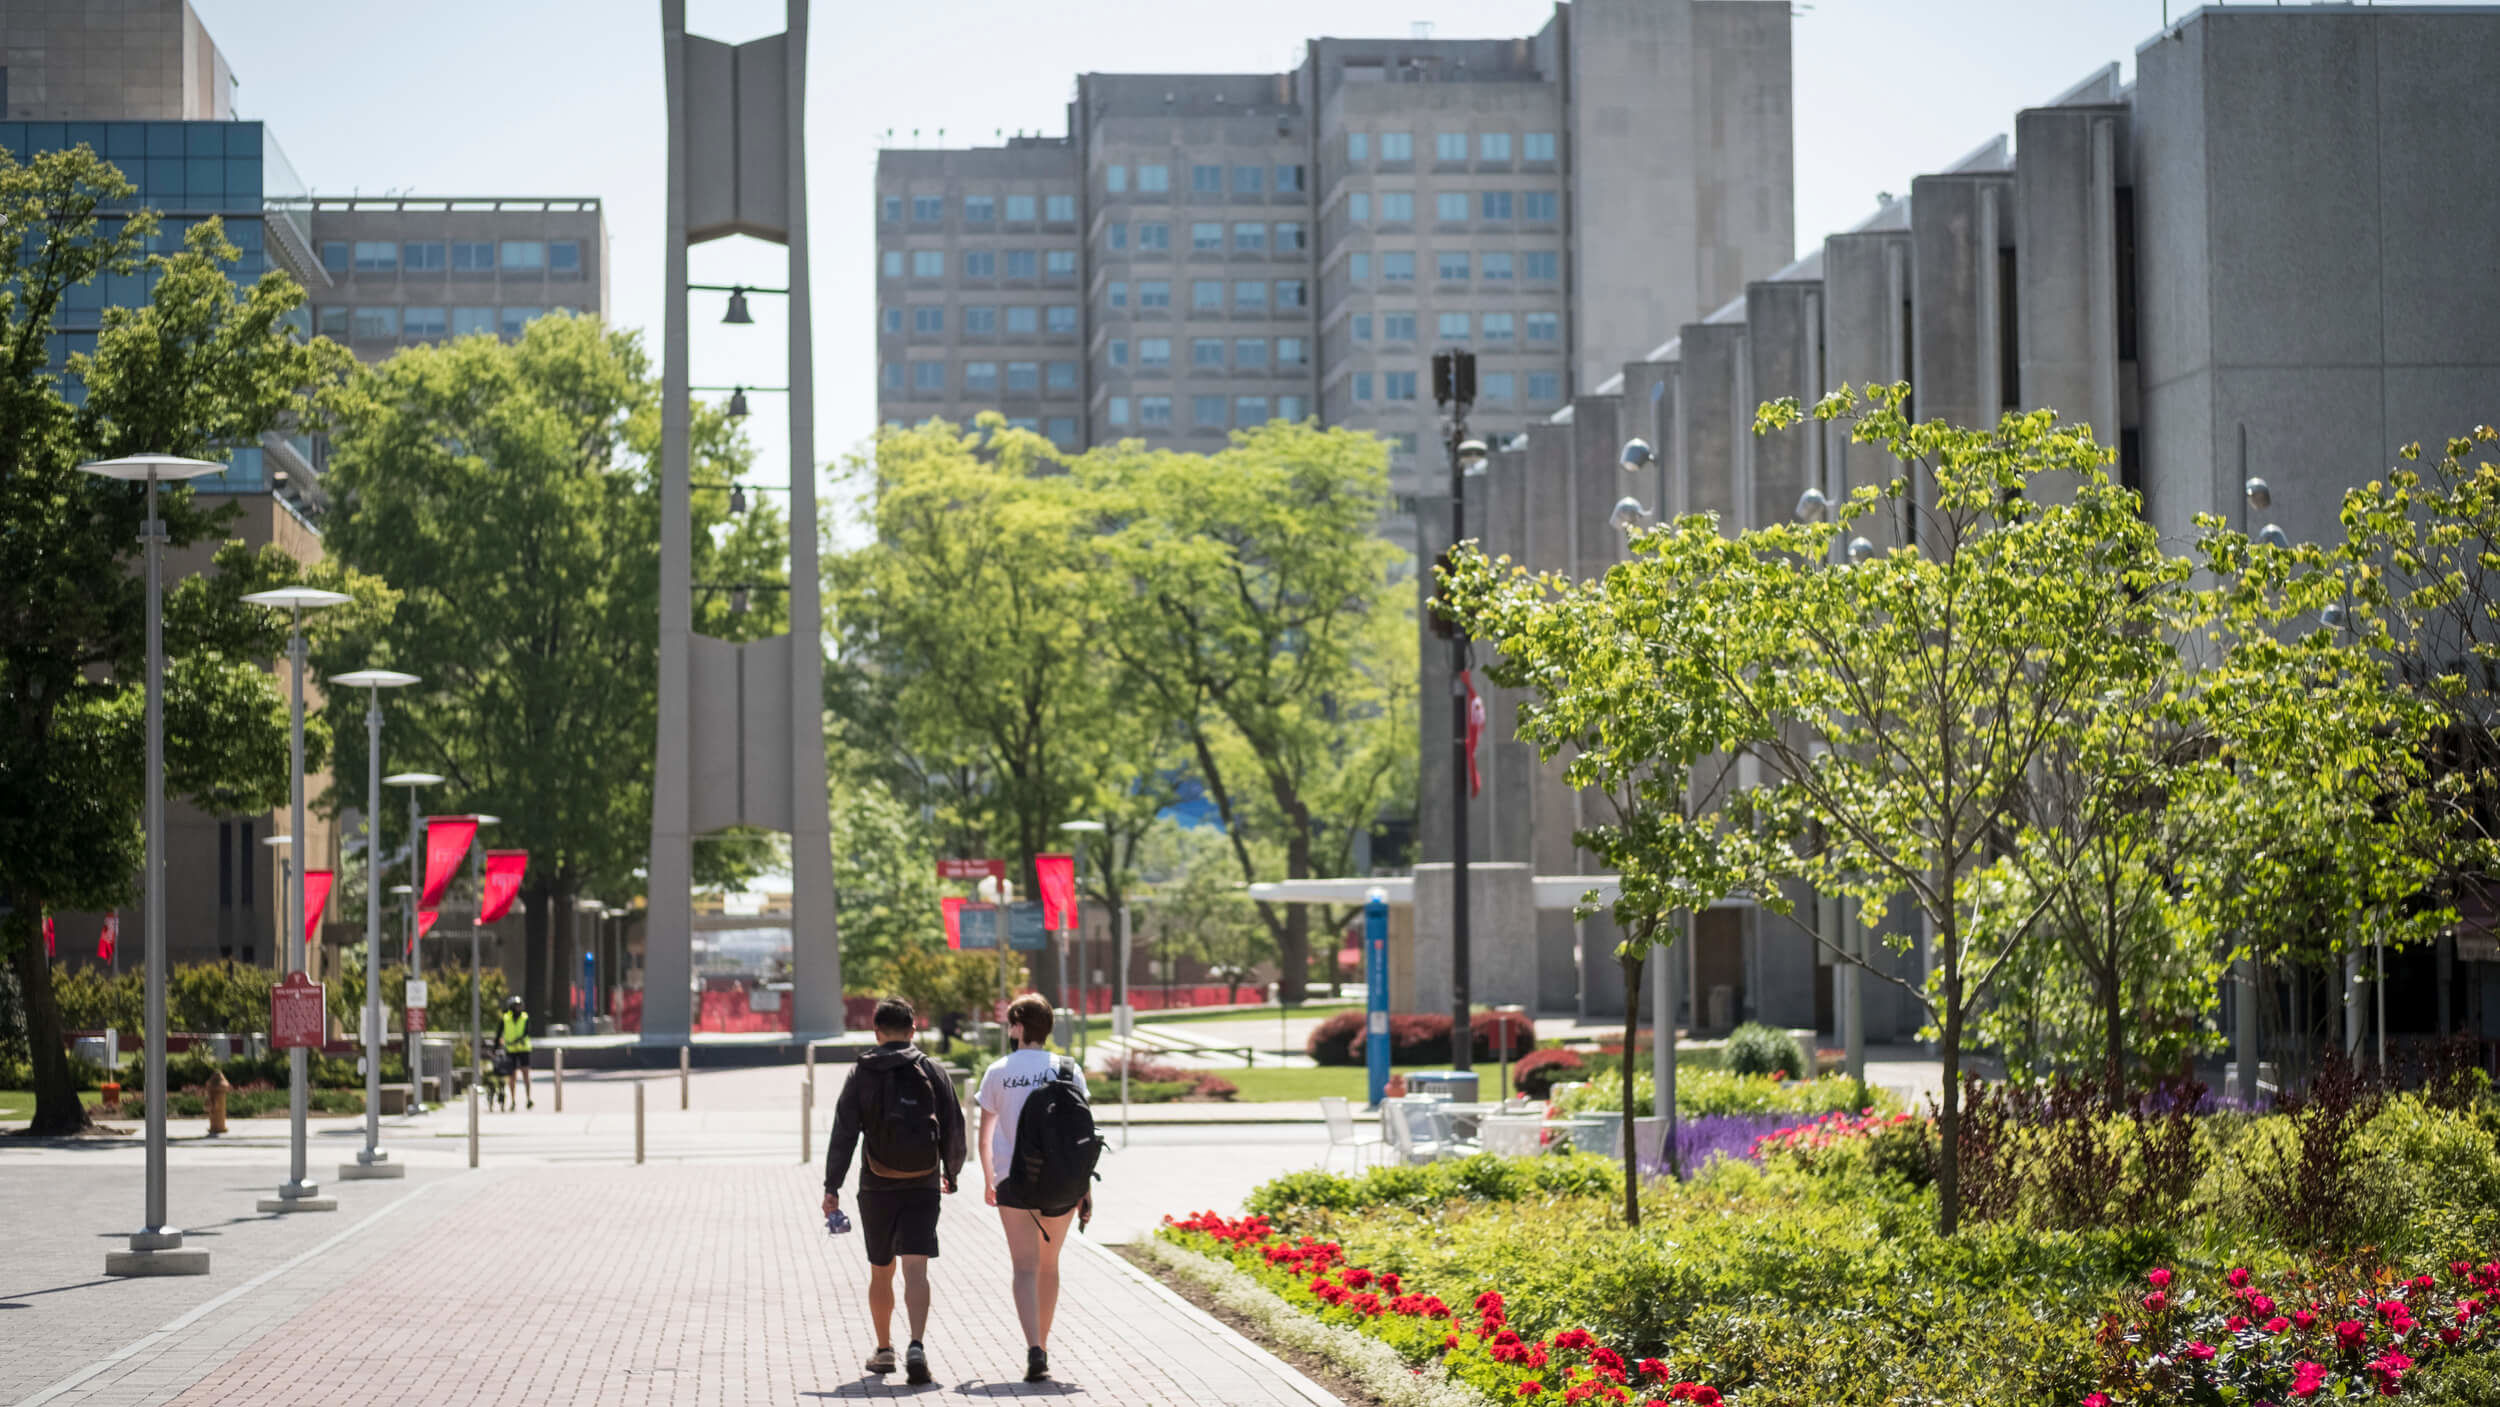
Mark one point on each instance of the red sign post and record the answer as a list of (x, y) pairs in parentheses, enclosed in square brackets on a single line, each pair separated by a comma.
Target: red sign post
[(972, 869), (296, 1013)]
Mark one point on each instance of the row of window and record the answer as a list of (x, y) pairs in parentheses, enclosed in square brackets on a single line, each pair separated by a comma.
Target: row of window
[(982, 263), (1208, 179), (1457, 265), (1206, 295), (1492, 387), (368, 324), (1451, 147), (1206, 412), (1454, 327), (1451, 207), (980, 209), (1248, 353), (982, 378), (1208, 237), (459, 256), (983, 320)]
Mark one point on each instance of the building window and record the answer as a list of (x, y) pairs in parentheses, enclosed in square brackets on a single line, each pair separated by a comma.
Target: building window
[(423, 323), (1496, 387), (1450, 207), (333, 322), (1496, 205), (1362, 385), (1495, 266), (1493, 146), (1288, 180), (1059, 209), (512, 322), (1019, 210), (334, 256), (927, 209), (1060, 318), (525, 255), (980, 209), (1154, 236), (1154, 410), (1206, 180), (1023, 321), (1358, 208), (890, 209), (1289, 409), (1540, 206), (1249, 411), (1024, 378), (1060, 263), (1062, 431), (1450, 265), (467, 322), (1397, 327), (978, 376), (376, 256), (1207, 237), (981, 320), (1154, 351), (1358, 268), (1154, 178), (1206, 412), (931, 263), (1206, 351), (1397, 146), (1119, 351), (1249, 238), (1021, 263), (432, 257), (1497, 327), (1449, 146), (890, 320), (1544, 385), (1398, 266), (564, 256), (1116, 236), (928, 322), (1115, 179), (890, 376), (1206, 293), (1289, 237), (1025, 423), (1250, 295), (1541, 264), (472, 256), (931, 376), (371, 324), (1537, 146), (1247, 180), (1452, 327), (1358, 146), (1118, 410), (890, 263), (1362, 327), (1154, 293), (1116, 293), (1289, 293), (1250, 351), (1397, 385), (1397, 207)]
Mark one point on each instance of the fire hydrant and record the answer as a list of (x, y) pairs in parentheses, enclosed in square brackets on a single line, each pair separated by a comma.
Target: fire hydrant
[(109, 1097), (217, 1088)]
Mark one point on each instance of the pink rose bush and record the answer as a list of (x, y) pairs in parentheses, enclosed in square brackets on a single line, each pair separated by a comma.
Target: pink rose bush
[(2358, 1337), (1473, 1341)]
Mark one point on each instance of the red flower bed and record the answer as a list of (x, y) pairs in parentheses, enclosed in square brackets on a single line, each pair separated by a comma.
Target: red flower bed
[(1831, 1130), (1475, 1343)]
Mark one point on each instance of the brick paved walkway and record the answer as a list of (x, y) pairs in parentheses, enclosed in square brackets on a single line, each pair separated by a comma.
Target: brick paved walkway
[(694, 1283)]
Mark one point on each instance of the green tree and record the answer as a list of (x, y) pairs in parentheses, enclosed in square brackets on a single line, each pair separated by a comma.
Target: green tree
[(202, 367), (1260, 609), (508, 490), (1198, 907), (885, 888)]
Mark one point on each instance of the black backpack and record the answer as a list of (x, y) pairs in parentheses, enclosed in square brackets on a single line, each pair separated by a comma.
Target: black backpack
[(1056, 1148), (898, 1120)]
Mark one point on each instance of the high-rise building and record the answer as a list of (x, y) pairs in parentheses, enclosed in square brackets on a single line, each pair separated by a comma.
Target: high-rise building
[(1205, 252)]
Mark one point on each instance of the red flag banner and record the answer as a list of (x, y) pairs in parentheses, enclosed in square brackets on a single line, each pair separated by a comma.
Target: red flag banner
[(52, 940), (953, 908), (1475, 731), (316, 898), (425, 921), (1056, 875), (110, 938), (446, 842), (503, 882)]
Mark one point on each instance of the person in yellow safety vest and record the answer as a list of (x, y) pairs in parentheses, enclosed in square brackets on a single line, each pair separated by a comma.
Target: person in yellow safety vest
[(516, 1043)]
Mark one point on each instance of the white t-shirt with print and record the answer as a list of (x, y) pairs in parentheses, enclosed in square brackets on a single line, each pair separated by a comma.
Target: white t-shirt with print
[(1004, 1088)]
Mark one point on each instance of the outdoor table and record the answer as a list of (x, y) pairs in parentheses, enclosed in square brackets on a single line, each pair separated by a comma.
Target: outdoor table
[(1512, 1135)]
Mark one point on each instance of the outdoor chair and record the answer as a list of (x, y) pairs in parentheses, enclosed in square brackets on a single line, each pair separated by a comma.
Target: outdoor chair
[(1342, 1134)]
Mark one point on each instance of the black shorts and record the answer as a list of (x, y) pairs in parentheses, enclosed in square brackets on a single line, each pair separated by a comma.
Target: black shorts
[(520, 1059), (901, 1222)]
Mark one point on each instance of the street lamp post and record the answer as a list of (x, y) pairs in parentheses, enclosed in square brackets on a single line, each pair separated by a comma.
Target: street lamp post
[(477, 920), (299, 1193), (416, 939), (371, 1162), (1454, 389), (155, 1248), (995, 890), (1077, 859)]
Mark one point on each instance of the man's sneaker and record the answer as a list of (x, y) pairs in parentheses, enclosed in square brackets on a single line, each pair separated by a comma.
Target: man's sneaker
[(881, 1361), (1036, 1365), (915, 1363)]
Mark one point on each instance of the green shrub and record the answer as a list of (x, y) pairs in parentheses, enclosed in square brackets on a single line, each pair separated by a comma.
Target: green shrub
[(1756, 1049), (1482, 1178), (1700, 1092)]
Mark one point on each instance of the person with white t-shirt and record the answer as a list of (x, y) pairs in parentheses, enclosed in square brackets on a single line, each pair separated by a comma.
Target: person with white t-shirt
[(1033, 1238)]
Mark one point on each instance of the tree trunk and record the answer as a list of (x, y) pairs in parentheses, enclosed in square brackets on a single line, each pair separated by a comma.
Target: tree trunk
[(1634, 956), (2113, 1016), (1293, 945), (536, 933), (1949, 1118), (58, 1110)]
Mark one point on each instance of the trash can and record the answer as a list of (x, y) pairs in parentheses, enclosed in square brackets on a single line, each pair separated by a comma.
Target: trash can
[(1458, 1086)]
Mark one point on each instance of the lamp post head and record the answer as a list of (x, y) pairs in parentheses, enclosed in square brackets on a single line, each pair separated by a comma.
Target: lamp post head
[(411, 779), (1471, 455), (298, 598), (737, 499), (1086, 827), (738, 600), (403, 889), (374, 679), (1860, 549), (737, 313), (2334, 617), (485, 820), (1637, 455), (1627, 515), (2272, 536), (139, 468), (275, 841), (737, 402), (1812, 506), (2260, 493)]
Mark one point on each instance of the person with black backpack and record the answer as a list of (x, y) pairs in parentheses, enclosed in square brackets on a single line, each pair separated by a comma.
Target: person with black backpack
[(1038, 1150), (900, 1105)]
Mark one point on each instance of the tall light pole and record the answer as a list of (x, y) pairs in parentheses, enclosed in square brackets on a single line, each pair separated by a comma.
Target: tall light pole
[(477, 917), (1454, 390), (371, 1162), (155, 1248), (1077, 859), (416, 888), (299, 1193)]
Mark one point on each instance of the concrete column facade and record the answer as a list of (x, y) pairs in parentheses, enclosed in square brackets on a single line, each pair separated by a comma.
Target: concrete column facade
[(1501, 924)]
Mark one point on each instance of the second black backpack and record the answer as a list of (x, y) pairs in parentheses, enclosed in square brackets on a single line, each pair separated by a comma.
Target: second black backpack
[(1056, 1148)]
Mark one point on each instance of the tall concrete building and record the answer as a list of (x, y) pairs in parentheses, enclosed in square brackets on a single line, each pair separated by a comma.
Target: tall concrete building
[(1204, 252), (2276, 253)]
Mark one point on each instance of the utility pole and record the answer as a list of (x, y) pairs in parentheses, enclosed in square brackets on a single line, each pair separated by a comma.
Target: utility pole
[(1454, 390)]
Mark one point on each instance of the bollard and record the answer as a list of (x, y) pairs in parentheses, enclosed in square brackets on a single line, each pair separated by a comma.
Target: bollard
[(473, 1126), (559, 1079), (637, 1121), (811, 1074), (217, 1088), (807, 1121), (685, 1062)]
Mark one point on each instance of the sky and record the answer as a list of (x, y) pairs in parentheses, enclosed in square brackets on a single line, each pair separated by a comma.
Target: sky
[(563, 98)]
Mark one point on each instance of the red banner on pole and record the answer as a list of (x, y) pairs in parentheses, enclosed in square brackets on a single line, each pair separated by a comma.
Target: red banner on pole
[(953, 908), (51, 940), (110, 938), (425, 921), (446, 843), (1056, 876), (316, 898), (1475, 731), (503, 882)]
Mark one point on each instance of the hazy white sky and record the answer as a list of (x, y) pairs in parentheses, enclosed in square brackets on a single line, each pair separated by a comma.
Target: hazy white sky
[(562, 97)]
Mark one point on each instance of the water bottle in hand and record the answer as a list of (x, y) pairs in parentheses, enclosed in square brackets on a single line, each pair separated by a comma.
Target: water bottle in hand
[(837, 1222)]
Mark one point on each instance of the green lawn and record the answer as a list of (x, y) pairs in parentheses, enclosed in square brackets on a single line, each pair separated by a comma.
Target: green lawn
[(1101, 1025), (1268, 1083), (18, 1105)]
